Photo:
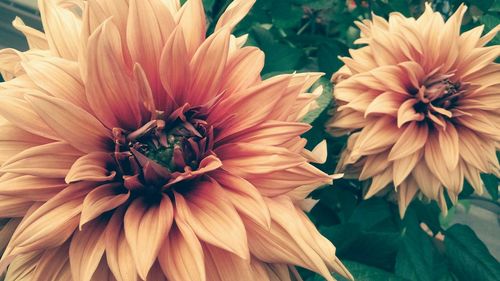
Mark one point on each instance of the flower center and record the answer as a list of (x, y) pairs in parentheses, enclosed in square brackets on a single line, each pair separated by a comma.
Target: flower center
[(437, 95), (162, 149)]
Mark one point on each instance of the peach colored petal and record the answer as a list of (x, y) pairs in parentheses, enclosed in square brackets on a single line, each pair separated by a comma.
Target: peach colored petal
[(110, 88), (145, 229), (279, 244), (270, 132), (59, 78), (245, 158), (91, 167), (207, 67), (243, 69), (100, 200), (386, 103), (30, 187), (402, 167), (40, 161), (191, 18), (244, 196), (213, 218), (149, 25), (36, 39), (234, 13), (222, 265), (51, 224), (254, 104), (23, 266), (53, 265), (379, 182), (406, 191), (63, 117), (411, 140), (103, 273), (62, 29), (371, 142), (86, 250), (118, 253), (18, 110), (181, 256), (174, 66), (448, 143), (284, 181), (13, 207)]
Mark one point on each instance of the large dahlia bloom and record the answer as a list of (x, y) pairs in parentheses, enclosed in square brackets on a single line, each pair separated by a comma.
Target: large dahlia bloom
[(421, 103), (135, 148)]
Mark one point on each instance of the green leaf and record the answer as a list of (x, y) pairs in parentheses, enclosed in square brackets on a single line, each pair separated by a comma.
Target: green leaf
[(371, 212), (328, 60), (491, 183), (285, 14), (363, 272), (323, 101), (469, 258), (415, 257)]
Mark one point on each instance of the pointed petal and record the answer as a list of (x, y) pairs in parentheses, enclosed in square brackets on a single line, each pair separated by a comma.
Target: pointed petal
[(92, 167), (174, 66), (36, 39), (411, 140), (102, 199), (448, 143), (18, 110), (54, 265), (145, 229), (402, 167), (234, 13), (243, 69), (149, 26), (245, 197), (207, 67), (12, 207), (51, 160), (213, 218), (406, 191), (51, 224), (59, 78), (63, 117), (118, 253), (181, 257), (243, 158), (86, 250), (62, 28), (222, 265), (193, 23), (30, 187), (110, 89)]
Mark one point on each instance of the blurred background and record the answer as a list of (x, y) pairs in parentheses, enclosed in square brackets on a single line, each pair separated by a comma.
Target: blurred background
[(309, 35)]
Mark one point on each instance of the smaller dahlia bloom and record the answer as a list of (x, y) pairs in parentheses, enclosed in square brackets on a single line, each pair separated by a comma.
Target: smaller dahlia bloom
[(134, 147), (421, 105)]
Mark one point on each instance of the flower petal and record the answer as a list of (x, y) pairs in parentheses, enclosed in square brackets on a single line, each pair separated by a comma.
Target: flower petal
[(213, 218), (118, 253), (92, 167), (110, 88), (181, 256), (102, 199), (222, 265), (63, 117), (62, 29), (86, 250), (40, 161), (145, 229), (245, 197)]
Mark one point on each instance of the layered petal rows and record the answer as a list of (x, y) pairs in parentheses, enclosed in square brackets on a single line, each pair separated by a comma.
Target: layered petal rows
[(421, 104), (133, 147)]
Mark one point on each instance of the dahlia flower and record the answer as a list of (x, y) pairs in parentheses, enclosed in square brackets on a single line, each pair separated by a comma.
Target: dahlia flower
[(135, 148), (421, 103)]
